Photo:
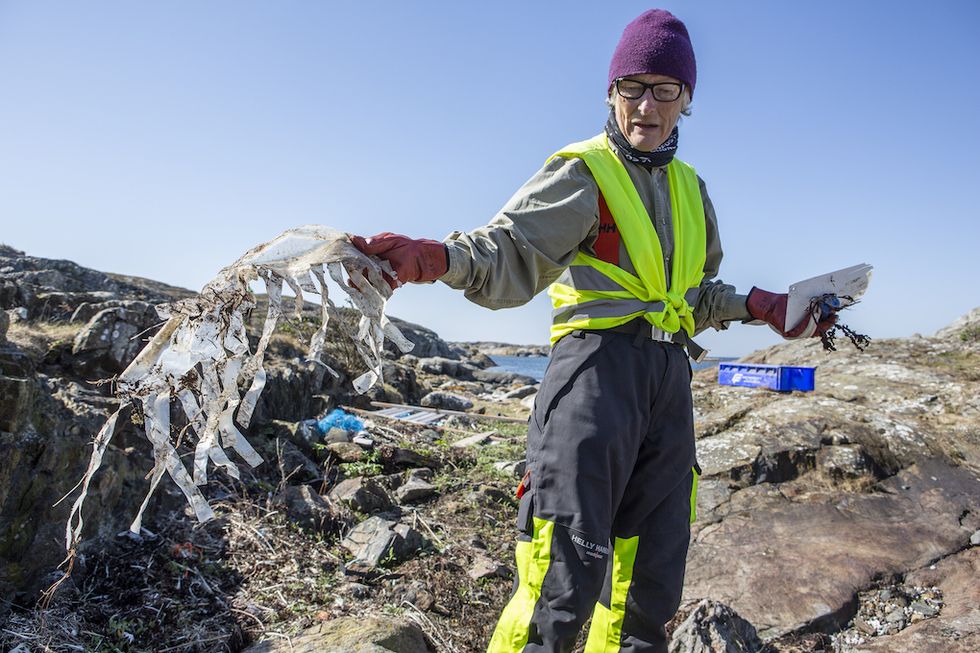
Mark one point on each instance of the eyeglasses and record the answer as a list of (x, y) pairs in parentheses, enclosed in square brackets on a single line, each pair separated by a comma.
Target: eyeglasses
[(662, 91)]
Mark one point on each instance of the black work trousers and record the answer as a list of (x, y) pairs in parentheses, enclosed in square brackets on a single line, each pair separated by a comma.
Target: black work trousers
[(606, 520)]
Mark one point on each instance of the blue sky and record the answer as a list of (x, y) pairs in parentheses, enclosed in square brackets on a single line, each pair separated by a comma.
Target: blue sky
[(165, 139)]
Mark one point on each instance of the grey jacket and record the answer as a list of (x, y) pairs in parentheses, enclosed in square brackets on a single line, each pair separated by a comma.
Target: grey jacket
[(537, 234)]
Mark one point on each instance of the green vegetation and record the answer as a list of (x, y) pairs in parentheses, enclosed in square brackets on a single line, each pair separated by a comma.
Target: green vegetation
[(970, 334), (369, 466)]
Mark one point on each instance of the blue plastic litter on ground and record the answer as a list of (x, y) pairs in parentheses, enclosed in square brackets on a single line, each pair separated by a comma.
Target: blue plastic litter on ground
[(783, 378), (339, 419)]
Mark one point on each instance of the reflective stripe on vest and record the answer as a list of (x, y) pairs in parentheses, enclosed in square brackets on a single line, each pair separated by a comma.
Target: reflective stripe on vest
[(596, 294)]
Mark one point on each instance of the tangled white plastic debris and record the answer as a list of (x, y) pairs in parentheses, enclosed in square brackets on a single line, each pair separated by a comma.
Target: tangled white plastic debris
[(201, 354)]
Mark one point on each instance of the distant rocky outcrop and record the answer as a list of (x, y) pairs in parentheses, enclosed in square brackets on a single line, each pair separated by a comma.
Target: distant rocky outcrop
[(502, 349), (53, 290), (427, 342)]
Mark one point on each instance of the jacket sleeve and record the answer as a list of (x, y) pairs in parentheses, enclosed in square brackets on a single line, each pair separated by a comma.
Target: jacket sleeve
[(533, 238), (718, 303)]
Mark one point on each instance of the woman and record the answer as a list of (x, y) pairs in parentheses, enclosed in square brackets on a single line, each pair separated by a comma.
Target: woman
[(626, 237)]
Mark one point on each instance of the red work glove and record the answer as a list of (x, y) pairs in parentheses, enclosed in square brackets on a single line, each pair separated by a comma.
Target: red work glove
[(771, 308), (413, 260)]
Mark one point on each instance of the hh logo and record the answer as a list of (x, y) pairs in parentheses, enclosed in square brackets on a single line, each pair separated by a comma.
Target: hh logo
[(607, 228), (591, 548)]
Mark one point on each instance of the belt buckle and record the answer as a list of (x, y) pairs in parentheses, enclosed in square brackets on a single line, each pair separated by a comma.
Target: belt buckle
[(660, 335)]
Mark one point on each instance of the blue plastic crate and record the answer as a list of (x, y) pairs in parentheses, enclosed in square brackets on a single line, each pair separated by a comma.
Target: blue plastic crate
[(783, 378)]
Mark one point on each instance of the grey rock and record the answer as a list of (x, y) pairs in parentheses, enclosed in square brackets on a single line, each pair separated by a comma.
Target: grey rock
[(528, 401), (484, 567), (430, 435), (346, 452), (294, 464), (46, 428), (446, 400), (487, 494), (924, 609), (955, 330), (4, 325), (864, 626), (501, 377), (362, 494), (401, 384), (295, 389), (515, 468), (401, 457), (481, 361), (109, 342), (334, 435), (975, 538), (377, 540), (417, 594), (52, 289), (454, 368), (845, 461), (415, 489), (824, 542), (99, 302), (714, 628), (357, 590), (521, 392), (504, 349), (351, 635), (427, 342), (390, 482), (421, 473), (301, 434), (307, 508), (713, 498), (895, 616), (16, 400), (472, 440), (754, 452), (956, 628), (408, 541)]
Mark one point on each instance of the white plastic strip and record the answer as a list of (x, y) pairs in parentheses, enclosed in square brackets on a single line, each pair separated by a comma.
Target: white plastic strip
[(202, 353)]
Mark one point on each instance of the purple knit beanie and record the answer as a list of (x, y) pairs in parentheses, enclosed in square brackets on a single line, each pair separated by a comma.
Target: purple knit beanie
[(656, 42)]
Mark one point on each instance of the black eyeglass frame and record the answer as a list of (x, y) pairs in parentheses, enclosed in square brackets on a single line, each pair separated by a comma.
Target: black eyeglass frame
[(653, 89)]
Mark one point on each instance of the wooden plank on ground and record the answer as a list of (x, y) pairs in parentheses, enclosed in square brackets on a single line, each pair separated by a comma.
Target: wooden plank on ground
[(445, 411)]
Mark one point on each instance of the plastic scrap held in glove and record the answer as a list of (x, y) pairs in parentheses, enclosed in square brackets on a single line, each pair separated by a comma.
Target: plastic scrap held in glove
[(201, 354)]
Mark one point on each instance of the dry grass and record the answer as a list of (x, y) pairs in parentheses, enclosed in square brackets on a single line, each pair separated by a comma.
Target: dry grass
[(191, 587), (252, 574), (37, 338)]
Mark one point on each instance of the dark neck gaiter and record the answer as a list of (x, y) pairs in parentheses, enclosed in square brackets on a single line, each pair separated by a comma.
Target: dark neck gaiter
[(659, 157)]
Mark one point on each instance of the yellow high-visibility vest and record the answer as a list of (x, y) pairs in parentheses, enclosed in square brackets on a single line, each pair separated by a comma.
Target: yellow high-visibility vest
[(597, 294)]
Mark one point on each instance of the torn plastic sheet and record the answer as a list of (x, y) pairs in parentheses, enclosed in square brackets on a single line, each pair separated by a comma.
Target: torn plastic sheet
[(197, 360)]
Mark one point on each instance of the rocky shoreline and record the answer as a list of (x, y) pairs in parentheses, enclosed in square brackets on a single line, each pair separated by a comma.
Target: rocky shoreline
[(502, 349), (845, 519)]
